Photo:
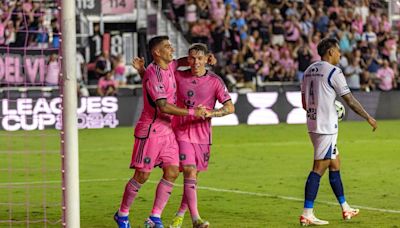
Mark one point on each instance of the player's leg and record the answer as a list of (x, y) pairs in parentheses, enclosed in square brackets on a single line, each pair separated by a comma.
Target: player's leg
[(131, 190), (202, 152), (133, 186), (187, 159), (337, 186), (322, 149), (169, 158)]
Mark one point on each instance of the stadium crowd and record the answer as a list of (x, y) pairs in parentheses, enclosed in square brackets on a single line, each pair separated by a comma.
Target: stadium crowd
[(258, 41), (29, 23), (255, 41)]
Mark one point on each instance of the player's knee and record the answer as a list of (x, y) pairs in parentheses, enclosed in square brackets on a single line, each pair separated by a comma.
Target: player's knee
[(141, 177), (171, 173), (190, 172)]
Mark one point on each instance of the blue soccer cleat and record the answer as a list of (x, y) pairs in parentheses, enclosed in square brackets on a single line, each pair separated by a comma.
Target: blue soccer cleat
[(122, 221), (153, 222)]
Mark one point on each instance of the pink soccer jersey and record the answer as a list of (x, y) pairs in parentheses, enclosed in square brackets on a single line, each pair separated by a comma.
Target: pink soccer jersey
[(192, 92), (157, 84)]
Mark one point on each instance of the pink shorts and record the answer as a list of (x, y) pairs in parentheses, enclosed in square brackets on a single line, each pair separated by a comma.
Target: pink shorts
[(194, 154), (160, 151)]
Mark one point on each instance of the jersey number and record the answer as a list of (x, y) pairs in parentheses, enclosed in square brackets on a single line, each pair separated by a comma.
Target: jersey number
[(311, 94)]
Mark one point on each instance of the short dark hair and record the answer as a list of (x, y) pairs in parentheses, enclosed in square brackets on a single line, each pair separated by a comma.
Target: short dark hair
[(325, 45), (199, 47), (153, 42)]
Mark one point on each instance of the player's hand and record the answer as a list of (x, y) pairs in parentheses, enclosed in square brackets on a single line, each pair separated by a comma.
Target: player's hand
[(373, 123), (138, 63), (212, 60), (200, 111)]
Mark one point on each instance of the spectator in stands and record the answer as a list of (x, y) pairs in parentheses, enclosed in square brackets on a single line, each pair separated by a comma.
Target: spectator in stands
[(362, 9), (42, 37), (292, 29), (357, 24), (344, 39), (288, 66), (203, 9), (386, 76), (119, 70), (259, 28), (218, 11), (103, 64), (249, 73), (107, 86), (263, 73), (3, 24), (81, 75), (372, 62), (53, 71), (191, 13), (353, 73), (277, 29), (369, 35), (56, 33), (200, 32), (321, 21), (303, 55), (233, 70)]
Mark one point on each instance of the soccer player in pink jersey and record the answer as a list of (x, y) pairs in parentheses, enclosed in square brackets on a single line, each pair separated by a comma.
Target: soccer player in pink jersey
[(155, 142), (195, 86)]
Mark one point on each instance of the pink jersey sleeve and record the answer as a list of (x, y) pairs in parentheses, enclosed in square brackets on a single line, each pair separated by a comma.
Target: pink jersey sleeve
[(155, 85), (221, 91)]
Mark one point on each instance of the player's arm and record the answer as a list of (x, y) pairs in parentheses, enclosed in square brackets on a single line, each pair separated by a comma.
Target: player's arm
[(353, 103), (303, 101), (339, 84), (138, 64), (168, 108), (227, 109)]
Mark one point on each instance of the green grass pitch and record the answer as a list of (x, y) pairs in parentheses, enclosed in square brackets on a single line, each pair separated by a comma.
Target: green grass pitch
[(255, 179)]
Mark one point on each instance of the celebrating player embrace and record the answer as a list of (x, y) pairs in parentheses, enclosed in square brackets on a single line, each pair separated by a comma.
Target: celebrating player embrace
[(195, 87)]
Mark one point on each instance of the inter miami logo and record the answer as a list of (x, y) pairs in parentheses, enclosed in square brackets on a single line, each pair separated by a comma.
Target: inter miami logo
[(147, 160), (190, 93), (194, 82)]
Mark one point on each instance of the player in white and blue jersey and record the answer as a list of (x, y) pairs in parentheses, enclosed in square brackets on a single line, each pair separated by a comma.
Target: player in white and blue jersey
[(322, 82)]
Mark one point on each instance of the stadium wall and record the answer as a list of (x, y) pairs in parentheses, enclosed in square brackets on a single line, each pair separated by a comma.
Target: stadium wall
[(111, 112)]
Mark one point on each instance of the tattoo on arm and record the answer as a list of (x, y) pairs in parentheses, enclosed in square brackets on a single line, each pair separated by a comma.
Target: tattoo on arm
[(355, 105), (221, 112)]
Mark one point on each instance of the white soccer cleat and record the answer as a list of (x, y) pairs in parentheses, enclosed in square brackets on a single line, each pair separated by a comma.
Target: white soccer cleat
[(349, 214), (312, 220)]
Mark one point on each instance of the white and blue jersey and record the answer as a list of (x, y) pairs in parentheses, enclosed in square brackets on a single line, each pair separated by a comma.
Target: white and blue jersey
[(321, 83)]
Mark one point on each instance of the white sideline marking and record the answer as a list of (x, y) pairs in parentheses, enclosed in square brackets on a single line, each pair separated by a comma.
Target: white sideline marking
[(289, 198)]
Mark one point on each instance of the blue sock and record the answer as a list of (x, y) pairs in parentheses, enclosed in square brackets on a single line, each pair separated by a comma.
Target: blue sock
[(311, 190), (337, 186)]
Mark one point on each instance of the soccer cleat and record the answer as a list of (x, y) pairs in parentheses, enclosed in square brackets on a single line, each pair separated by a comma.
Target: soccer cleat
[(176, 222), (153, 222), (122, 221), (347, 215), (312, 220), (200, 223)]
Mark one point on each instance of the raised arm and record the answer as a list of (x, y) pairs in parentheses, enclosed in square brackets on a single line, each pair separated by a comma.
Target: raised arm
[(353, 103), (138, 64)]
